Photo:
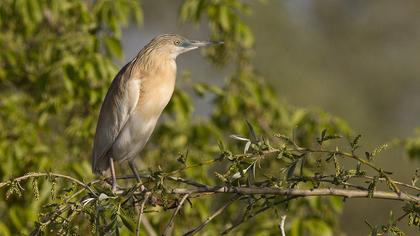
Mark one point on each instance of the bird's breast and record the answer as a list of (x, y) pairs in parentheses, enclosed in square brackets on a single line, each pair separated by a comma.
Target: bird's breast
[(156, 91)]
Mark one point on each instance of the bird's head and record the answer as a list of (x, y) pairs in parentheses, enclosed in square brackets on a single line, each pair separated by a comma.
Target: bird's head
[(174, 45)]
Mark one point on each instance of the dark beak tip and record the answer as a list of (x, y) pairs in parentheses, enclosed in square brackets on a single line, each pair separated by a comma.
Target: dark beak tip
[(216, 42)]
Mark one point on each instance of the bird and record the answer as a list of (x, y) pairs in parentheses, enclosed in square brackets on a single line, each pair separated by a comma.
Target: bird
[(135, 100)]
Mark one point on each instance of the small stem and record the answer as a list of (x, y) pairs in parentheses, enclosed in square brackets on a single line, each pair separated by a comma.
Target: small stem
[(283, 219), (146, 197), (148, 227), (186, 181), (403, 216), (210, 218), (396, 182), (171, 220), (226, 231), (32, 175), (194, 165)]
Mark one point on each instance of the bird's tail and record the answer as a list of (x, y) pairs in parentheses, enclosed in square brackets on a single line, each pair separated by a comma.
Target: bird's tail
[(100, 164)]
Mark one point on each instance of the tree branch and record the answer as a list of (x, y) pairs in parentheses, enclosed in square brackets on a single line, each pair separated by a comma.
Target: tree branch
[(301, 192), (202, 188)]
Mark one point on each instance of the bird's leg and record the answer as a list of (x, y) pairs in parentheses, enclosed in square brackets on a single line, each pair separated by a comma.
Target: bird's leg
[(114, 178), (133, 168)]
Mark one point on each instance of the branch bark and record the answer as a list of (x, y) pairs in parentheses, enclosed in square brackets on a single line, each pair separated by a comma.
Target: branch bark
[(301, 192), (201, 188)]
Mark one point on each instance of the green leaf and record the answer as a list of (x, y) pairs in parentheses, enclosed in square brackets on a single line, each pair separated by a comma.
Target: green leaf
[(113, 46), (354, 144), (336, 203), (254, 138), (379, 149), (291, 169), (295, 228), (4, 230), (224, 18), (127, 221), (318, 227)]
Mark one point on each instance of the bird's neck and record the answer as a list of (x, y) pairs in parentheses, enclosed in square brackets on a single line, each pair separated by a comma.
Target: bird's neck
[(155, 62)]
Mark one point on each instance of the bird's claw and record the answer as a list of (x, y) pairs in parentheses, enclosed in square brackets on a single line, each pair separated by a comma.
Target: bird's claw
[(115, 187), (143, 189)]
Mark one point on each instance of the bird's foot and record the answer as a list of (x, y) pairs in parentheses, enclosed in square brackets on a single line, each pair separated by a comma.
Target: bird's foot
[(115, 187), (142, 188)]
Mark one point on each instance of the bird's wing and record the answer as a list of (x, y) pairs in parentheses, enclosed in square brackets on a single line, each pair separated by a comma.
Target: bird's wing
[(119, 103)]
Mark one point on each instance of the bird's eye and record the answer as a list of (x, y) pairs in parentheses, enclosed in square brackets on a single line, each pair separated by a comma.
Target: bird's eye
[(177, 42)]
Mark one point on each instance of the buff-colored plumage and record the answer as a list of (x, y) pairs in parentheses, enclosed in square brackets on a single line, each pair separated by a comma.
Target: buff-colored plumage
[(135, 100)]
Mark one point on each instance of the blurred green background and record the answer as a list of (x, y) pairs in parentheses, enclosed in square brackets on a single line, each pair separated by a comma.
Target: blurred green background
[(355, 59)]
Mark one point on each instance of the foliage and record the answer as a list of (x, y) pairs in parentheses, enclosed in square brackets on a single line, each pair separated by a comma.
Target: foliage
[(412, 145), (55, 67), (267, 177)]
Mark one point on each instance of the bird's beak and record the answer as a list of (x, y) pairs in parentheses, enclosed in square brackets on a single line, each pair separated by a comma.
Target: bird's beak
[(199, 44)]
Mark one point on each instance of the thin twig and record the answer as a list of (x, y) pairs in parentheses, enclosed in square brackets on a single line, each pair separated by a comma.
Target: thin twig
[(384, 176), (173, 178), (281, 225), (61, 209), (148, 227), (146, 197), (244, 218), (403, 216), (33, 175), (355, 157), (208, 162), (323, 179), (186, 181), (351, 155), (396, 182), (210, 218), (171, 220)]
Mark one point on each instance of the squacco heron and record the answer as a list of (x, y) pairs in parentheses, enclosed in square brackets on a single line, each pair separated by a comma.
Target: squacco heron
[(135, 100)]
